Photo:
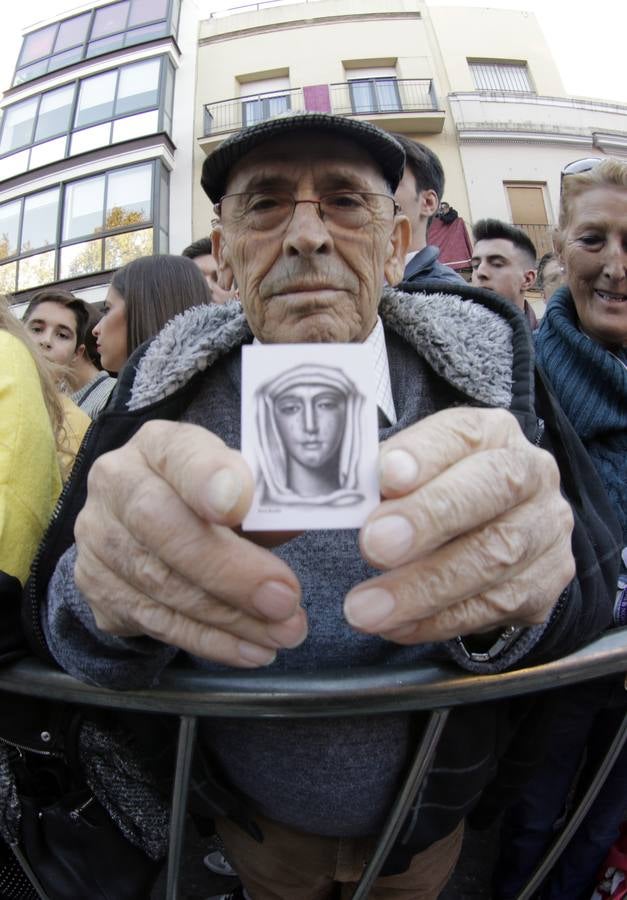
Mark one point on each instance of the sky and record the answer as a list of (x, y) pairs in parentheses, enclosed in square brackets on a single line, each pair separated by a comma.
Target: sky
[(587, 39)]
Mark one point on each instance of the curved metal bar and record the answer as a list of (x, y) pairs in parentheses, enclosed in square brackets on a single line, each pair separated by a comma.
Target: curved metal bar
[(578, 814), (330, 693), (180, 791), (404, 800)]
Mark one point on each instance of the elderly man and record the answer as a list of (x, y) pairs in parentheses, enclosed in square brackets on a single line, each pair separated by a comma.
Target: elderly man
[(467, 557)]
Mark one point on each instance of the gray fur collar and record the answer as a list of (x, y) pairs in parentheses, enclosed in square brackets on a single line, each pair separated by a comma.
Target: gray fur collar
[(464, 342)]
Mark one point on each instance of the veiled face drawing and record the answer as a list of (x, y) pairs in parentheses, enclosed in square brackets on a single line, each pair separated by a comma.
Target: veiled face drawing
[(310, 419)]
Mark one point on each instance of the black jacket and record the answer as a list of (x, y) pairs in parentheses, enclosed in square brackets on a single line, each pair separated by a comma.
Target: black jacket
[(460, 771)]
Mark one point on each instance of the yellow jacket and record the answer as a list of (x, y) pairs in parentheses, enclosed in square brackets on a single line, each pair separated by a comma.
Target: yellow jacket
[(30, 480), (76, 422)]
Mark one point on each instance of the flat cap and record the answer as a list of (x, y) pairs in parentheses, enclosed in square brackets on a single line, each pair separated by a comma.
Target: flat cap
[(382, 147)]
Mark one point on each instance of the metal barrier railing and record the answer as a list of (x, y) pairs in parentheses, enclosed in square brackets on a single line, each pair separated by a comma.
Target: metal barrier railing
[(190, 695)]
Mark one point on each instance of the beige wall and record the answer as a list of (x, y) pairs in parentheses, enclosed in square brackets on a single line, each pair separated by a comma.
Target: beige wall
[(281, 39), (505, 34), (220, 63), (310, 41)]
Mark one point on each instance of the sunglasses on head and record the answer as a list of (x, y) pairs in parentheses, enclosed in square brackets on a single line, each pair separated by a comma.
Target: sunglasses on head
[(579, 166)]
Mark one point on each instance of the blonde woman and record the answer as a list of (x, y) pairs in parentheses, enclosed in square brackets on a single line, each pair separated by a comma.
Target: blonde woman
[(31, 434)]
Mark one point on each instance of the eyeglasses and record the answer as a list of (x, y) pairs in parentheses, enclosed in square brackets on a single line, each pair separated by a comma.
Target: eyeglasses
[(268, 211), (579, 166)]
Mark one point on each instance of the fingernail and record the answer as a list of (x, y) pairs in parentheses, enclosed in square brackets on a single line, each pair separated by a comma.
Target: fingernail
[(223, 491), (275, 600), (387, 540), (289, 634), (398, 470), (258, 656), (368, 608)]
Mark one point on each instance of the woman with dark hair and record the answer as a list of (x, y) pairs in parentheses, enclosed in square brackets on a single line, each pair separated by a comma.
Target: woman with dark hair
[(142, 297)]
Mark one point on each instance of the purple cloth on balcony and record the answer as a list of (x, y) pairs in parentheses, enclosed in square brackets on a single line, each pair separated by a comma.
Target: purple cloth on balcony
[(317, 98)]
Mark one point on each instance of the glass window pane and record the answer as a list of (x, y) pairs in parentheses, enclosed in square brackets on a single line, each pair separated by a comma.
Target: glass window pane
[(168, 97), (106, 45), (387, 94), (72, 32), (138, 87), (14, 164), (147, 33), (251, 112), (129, 196), (122, 248), (90, 138), (42, 154), (147, 11), (65, 59), (110, 19), (37, 44), (176, 6), (81, 259), (164, 199), (36, 270), (135, 126), (84, 202), (30, 72), (54, 113), (40, 220), (17, 130), (277, 105), (7, 277), (361, 96), (95, 101), (9, 227)]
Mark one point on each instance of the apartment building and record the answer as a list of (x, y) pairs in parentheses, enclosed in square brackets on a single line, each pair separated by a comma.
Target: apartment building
[(114, 107), (96, 134), (479, 86)]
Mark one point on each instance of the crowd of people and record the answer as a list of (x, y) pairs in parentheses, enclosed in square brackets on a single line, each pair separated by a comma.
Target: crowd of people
[(499, 539)]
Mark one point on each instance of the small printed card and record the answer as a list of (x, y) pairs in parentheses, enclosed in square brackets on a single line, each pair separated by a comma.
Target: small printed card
[(310, 435)]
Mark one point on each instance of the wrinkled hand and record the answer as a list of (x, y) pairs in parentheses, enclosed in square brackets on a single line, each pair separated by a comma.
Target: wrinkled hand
[(157, 554), (473, 532)]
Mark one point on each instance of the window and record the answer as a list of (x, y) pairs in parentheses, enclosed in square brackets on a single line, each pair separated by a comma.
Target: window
[(39, 225), (264, 98), (113, 106), (53, 117), (17, 125), (373, 89), (9, 228), (84, 204), (500, 76), (96, 99), (264, 108), (93, 33), (138, 87), (83, 226), (374, 95), (528, 208)]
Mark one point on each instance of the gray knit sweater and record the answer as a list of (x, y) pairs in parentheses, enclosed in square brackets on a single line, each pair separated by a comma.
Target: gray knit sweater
[(334, 777)]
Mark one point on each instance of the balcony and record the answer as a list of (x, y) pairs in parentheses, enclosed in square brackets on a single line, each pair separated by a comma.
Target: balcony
[(511, 116), (404, 105), (541, 237)]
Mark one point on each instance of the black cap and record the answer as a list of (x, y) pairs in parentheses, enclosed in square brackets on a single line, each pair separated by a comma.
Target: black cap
[(382, 147)]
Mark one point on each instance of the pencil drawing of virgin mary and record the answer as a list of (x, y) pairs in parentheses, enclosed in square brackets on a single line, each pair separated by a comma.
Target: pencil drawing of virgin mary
[(309, 424)]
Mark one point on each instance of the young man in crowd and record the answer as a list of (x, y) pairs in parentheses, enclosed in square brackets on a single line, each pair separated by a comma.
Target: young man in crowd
[(418, 195), (504, 261), (200, 252)]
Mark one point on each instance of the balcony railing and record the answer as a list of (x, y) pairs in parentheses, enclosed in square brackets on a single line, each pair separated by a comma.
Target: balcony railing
[(191, 695), (365, 97), (541, 237)]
